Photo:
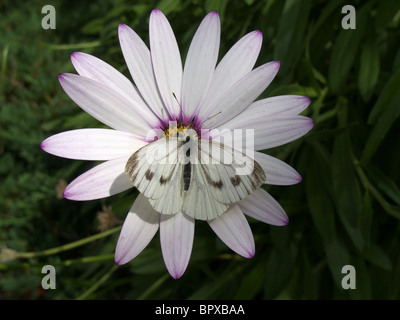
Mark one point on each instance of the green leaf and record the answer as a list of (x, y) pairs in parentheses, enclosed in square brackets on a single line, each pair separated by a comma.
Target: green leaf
[(384, 183), (295, 89), (277, 273), (216, 5), (363, 281), (345, 49), (369, 67), (210, 289), (377, 256), (348, 198), (337, 257), (318, 199), (386, 11), (168, 6), (366, 217), (303, 285), (390, 209), (380, 130), (249, 2), (251, 283), (147, 262), (291, 32), (389, 99)]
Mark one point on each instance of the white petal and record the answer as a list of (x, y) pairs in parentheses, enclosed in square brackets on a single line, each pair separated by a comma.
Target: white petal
[(237, 62), (277, 171), (167, 63), (138, 60), (139, 228), (102, 181), (91, 67), (262, 206), (269, 131), (239, 96), (200, 63), (92, 144), (234, 230), (279, 105), (176, 235), (105, 104)]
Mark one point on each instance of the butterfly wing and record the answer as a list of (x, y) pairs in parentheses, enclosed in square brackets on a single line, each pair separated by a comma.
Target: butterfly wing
[(216, 184), (155, 171), (159, 172)]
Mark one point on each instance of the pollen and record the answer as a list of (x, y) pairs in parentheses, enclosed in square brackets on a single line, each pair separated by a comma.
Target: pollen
[(174, 131)]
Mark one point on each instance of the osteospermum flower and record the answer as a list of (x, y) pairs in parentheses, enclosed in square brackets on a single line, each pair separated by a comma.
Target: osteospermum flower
[(201, 95)]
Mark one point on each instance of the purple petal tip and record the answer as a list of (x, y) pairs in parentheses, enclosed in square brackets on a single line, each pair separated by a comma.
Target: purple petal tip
[(43, 145), (156, 11), (311, 123), (250, 255), (285, 222), (67, 194), (118, 261), (176, 276), (299, 179), (122, 26)]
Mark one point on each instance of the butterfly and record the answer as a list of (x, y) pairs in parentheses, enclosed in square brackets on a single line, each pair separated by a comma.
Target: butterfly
[(199, 177)]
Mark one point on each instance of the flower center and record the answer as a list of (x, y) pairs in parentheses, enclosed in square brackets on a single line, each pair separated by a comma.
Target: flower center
[(174, 130)]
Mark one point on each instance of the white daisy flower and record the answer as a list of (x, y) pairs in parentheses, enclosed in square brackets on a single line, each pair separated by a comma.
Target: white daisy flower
[(201, 95)]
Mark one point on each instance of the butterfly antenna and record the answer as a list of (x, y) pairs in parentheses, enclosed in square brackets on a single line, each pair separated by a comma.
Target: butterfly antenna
[(173, 93), (210, 117)]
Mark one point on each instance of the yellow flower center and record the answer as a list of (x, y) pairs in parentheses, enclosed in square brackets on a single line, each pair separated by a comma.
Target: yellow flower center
[(176, 130)]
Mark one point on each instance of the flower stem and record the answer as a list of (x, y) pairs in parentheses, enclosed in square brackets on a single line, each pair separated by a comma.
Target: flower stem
[(97, 284), (69, 246)]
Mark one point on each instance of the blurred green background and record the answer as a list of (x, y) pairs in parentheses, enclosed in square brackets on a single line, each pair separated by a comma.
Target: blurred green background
[(345, 211)]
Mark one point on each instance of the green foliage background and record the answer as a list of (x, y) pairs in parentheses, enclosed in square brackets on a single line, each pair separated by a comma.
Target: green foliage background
[(345, 211)]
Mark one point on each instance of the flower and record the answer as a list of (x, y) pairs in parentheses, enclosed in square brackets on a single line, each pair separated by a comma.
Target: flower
[(201, 94)]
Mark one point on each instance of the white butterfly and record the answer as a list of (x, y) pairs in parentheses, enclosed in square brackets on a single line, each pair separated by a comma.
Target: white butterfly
[(186, 174)]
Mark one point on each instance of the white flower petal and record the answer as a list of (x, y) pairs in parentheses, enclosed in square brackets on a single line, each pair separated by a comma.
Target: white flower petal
[(262, 206), (140, 226), (105, 104), (94, 68), (279, 105), (269, 131), (102, 181), (167, 63), (277, 172), (234, 230), (239, 96), (92, 144), (200, 64), (176, 235), (236, 63), (138, 60)]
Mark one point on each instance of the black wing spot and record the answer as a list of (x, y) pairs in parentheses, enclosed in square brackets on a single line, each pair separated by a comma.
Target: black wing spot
[(235, 181), (149, 175)]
